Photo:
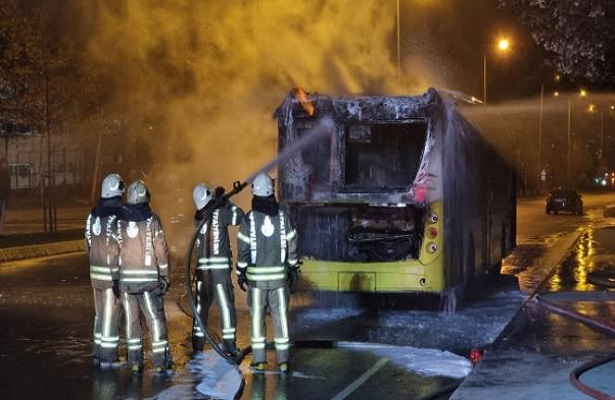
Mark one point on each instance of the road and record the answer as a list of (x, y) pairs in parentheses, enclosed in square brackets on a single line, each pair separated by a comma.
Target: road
[(534, 223), (566, 326), (46, 309)]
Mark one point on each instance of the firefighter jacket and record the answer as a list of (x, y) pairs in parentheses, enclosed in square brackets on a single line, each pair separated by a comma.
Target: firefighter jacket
[(144, 255), (267, 246), (101, 241), (212, 243)]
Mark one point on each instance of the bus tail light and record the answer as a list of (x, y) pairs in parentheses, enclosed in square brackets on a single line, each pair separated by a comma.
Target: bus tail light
[(433, 217), (432, 247), (432, 233)]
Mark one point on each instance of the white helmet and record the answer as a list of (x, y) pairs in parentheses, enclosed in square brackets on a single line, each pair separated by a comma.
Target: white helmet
[(112, 186), (137, 193), (262, 185), (201, 195)]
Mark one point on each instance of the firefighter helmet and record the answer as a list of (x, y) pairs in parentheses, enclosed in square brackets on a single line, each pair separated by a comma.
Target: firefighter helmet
[(262, 185), (137, 193), (201, 195), (112, 186)]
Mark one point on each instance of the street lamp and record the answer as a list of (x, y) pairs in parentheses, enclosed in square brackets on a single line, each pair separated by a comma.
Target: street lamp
[(568, 148), (593, 108), (398, 45), (582, 93), (541, 171), (502, 46)]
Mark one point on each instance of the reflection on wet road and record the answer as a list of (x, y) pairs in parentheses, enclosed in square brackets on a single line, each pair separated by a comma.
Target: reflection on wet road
[(566, 324)]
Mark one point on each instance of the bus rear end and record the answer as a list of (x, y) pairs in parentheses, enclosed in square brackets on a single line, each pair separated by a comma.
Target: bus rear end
[(363, 198)]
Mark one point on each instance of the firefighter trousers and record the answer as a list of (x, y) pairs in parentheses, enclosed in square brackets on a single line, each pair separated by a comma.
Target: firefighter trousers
[(224, 296), (276, 301), (108, 312), (151, 305)]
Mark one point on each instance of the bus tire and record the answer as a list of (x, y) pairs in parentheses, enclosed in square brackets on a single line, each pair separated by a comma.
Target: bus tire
[(469, 281), (453, 298), (503, 243)]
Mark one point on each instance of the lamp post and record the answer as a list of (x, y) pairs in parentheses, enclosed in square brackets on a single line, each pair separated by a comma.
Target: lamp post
[(582, 93), (503, 45), (592, 108), (485, 77), (541, 177), (601, 133), (568, 148), (398, 46)]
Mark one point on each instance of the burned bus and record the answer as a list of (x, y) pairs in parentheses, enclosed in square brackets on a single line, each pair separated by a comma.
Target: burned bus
[(402, 195)]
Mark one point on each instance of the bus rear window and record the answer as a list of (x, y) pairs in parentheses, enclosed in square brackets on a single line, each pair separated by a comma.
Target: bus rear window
[(383, 156)]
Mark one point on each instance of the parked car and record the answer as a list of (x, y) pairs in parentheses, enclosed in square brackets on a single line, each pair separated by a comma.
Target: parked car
[(564, 200)]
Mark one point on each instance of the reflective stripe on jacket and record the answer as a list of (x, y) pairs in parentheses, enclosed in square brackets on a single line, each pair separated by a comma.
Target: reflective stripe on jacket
[(213, 244), (266, 246), (144, 255), (103, 249)]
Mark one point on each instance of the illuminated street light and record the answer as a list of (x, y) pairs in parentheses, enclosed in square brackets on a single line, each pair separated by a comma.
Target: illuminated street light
[(569, 103), (542, 172), (593, 108), (503, 46), (582, 93)]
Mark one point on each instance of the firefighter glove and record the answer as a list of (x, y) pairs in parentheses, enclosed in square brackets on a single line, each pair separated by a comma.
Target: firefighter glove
[(293, 277), (220, 199), (164, 284), (242, 280), (116, 287)]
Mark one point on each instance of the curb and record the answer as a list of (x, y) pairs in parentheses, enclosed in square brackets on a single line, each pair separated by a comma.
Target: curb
[(41, 250), (562, 250)]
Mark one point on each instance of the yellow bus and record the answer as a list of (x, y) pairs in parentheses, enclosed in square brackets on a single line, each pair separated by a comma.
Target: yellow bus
[(402, 195)]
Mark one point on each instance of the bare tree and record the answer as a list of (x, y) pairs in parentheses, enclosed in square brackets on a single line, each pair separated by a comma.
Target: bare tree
[(41, 83), (578, 35)]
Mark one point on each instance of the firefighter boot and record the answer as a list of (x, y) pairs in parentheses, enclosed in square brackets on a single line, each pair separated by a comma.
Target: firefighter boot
[(230, 347), (168, 369), (259, 367), (197, 344), (136, 368), (283, 367)]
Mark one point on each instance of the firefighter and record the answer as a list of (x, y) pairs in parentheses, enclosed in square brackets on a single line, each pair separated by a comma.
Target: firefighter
[(213, 273), (103, 250), (144, 279), (267, 263)]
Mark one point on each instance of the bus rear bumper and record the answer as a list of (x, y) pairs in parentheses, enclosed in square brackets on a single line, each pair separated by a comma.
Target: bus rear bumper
[(408, 276)]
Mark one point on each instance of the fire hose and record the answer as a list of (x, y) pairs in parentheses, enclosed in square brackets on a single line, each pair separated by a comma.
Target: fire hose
[(235, 359), (322, 128), (576, 373)]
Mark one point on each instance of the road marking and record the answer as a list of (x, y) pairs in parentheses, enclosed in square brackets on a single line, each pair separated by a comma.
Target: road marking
[(361, 380)]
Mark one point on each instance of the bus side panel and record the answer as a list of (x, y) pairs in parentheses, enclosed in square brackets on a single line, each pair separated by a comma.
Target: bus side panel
[(479, 202)]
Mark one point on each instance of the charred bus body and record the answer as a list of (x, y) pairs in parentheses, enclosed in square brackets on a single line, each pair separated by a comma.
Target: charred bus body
[(402, 196)]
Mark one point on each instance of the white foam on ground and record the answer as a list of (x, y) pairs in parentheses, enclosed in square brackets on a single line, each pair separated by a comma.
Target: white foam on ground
[(425, 362)]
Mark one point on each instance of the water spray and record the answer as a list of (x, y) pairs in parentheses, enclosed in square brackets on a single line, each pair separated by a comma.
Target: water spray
[(321, 129)]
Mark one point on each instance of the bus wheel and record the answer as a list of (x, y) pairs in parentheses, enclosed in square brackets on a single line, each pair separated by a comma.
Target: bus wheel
[(469, 281), (503, 243)]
